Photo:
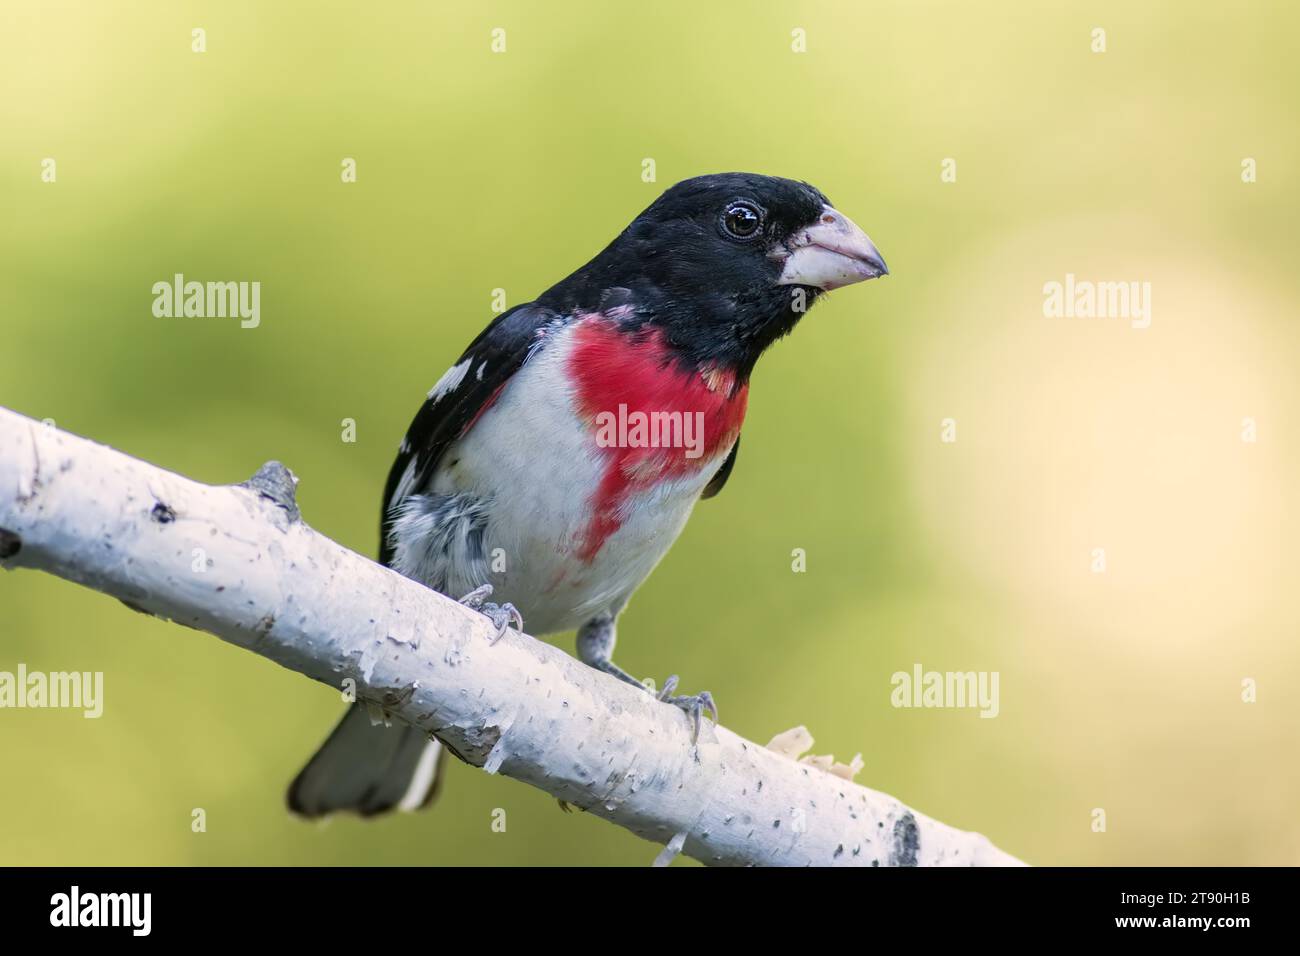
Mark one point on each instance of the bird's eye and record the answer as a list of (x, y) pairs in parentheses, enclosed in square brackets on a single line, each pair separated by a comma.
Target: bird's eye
[(742, 220)]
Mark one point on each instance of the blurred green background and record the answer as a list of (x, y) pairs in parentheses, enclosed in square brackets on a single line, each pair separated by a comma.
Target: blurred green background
[(477, 171)]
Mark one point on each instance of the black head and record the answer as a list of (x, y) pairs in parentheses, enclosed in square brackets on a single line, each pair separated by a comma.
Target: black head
[(724, 265)]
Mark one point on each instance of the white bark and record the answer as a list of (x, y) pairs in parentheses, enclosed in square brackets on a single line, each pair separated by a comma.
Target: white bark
[(238, 562)]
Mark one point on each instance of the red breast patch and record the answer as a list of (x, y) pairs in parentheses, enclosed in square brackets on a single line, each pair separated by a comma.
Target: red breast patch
[(651, 419)]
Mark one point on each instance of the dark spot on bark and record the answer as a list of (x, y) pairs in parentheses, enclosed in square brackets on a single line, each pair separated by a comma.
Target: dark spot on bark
[(162, 513), (10, 544), (839, 850), (907, 841), (471, 745), (137, 608), (396, 698)]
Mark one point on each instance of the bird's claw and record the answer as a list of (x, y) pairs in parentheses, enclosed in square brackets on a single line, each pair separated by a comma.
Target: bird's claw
[(474, 600), (694, 705), (501, 615)]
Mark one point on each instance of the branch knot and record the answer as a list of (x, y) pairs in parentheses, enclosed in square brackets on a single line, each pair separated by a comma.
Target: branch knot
[(276, 484)]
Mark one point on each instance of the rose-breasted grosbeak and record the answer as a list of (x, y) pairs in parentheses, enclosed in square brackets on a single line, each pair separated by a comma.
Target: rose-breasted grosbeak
[(575, 434)]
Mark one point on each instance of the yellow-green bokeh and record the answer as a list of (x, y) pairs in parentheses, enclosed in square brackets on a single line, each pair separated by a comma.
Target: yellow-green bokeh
[(479, 171)]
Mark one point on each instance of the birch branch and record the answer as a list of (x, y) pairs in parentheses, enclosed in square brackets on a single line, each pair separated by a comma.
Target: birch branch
[(239, 562)]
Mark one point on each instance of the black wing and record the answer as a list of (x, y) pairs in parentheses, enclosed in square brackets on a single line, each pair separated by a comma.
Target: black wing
[(468, 388), (723, 473)]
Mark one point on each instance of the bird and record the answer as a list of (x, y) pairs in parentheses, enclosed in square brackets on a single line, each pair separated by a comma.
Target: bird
[(558, 459)]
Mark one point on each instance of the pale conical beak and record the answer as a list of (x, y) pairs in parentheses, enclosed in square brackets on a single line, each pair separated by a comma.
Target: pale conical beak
[(831, 253)]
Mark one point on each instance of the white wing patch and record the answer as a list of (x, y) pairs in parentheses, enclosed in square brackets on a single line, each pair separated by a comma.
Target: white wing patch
[(426, 773), (450, 381)]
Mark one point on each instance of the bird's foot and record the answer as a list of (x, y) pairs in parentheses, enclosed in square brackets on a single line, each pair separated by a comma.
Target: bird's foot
[(694, 705), (501, 615)]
